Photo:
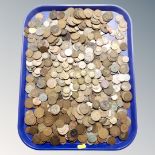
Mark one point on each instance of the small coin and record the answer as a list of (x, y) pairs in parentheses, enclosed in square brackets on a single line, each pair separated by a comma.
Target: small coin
[(54, 109), (103, 133), (96, 115), (39, 112), (51, 83), (84, 108)]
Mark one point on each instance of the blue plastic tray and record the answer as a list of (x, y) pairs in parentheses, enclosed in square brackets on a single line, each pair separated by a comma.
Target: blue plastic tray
[(26, 138)]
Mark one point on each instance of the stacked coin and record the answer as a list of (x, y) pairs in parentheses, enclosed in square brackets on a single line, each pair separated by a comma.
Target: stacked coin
[(78, 77)]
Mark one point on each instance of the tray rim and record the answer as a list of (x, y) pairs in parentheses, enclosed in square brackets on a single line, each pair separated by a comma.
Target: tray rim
[(132, 137)]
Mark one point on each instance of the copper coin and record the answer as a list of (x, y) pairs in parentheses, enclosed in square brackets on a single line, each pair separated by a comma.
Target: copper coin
[(55, 140), (29, 103), (115, 131), (31, 130), (49, 120), (127, 96), (81, 129), (36, 139), (111, 140), (39, 112), (82, 138), (103, 133)]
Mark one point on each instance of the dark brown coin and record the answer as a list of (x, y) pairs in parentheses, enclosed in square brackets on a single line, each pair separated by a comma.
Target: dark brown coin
[(36, 139), (115, 131), (111, 140), (74, 133), (43, 49), (55, 140), (71, 138), (81, 129), (31, 130)]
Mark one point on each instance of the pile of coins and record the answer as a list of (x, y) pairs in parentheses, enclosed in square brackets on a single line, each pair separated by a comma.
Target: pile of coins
[(78, 77)]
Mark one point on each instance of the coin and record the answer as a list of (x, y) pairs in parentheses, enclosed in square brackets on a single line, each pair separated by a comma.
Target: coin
[(103, 133), (39, 112), (51, 83), (55, 140), (84, 108), (96, 115), (54, 109), (115, 131), (127, 96), (111, 140)]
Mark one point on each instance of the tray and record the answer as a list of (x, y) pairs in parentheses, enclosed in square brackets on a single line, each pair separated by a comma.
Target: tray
[(26, 138)]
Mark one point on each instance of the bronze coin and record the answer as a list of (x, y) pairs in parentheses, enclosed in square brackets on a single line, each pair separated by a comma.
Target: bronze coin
[(115, 131), (124, 128), (40, 120), (31, 130), (59, 123), (43, 137), (49, 120), (28, 103), (82, 138), (126, 96), (55, 140), (36, 139), (62, 139), (81, 129), (111, 140), (100, 140), (66, 104), (43, 49)]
